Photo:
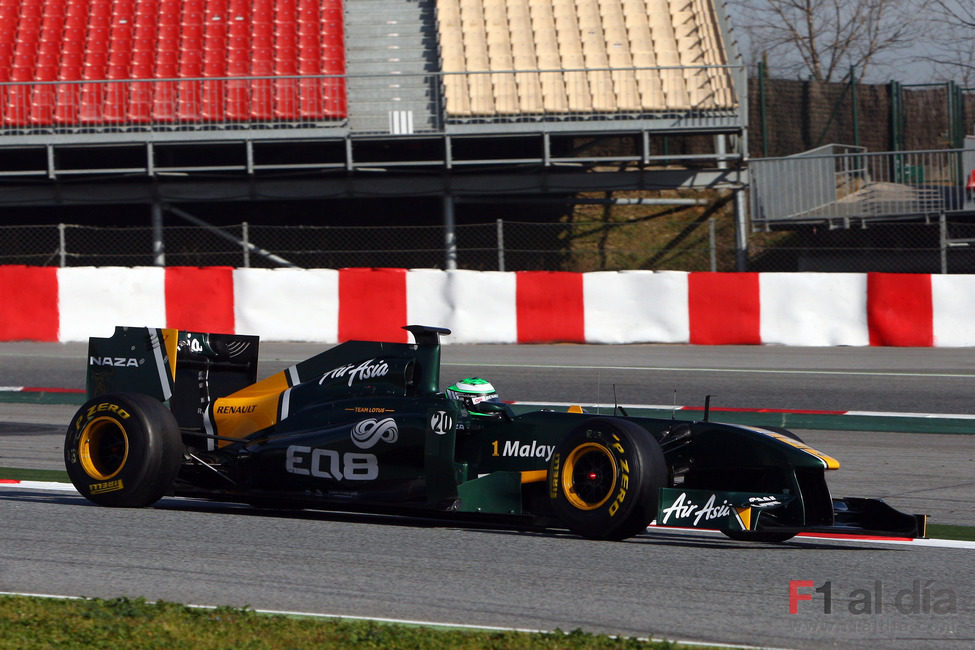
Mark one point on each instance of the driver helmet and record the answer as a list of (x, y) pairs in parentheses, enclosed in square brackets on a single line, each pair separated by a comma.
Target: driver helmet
[(472, 391)]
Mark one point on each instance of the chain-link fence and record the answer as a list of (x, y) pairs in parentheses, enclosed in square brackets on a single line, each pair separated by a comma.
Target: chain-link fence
[(501, 245), (939, 245)]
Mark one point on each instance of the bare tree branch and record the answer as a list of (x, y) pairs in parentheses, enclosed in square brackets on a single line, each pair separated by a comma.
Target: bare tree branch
[(821, 39)]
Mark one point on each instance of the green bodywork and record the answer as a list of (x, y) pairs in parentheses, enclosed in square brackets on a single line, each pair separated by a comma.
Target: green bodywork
[(434, 456)]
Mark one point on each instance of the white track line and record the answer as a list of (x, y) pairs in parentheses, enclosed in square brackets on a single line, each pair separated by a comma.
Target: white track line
[(403, 621)]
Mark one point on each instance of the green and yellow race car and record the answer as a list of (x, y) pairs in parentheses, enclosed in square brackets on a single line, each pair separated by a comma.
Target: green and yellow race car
[(365, 427)]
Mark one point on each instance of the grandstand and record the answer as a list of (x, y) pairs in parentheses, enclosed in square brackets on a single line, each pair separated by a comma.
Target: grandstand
[(163, 99)]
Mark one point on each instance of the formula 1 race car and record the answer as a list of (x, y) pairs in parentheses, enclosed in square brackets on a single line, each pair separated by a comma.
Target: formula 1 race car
[(365, 427)]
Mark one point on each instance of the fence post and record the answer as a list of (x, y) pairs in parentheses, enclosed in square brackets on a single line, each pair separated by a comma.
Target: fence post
[(853, 106), (943, 228), (62, 246), (450, 233), (896, 115), (712, 239), (761, 106), (245, 244), (158, 246), (741, 231), (500, 245)]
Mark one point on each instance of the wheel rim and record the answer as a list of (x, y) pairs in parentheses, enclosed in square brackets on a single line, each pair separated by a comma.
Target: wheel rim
[(589, 476), (103, 448)]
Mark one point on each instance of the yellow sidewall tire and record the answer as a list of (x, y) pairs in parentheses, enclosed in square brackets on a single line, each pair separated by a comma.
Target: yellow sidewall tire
[(123, 449), (604, 478)]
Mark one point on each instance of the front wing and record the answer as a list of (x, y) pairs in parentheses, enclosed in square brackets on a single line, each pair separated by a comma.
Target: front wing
[(780, 513)]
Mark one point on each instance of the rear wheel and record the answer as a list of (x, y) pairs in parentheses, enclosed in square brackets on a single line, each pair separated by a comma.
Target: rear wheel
[(123, 449), (604, 478)]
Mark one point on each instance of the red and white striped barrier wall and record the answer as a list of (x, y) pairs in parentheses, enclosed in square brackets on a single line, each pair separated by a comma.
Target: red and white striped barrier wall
[(328, 305)]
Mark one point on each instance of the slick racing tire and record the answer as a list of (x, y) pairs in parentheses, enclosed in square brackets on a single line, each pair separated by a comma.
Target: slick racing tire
[(123, 450), (604, 477)]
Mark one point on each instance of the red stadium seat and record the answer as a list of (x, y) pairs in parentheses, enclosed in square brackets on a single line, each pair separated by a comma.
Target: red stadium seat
[(165, 64), (285, 12), (70, 66), (92, 102), (191, 12), (142, 63), (212, 101), (262, 12), (52, 30), (285, 99), (48, 56), (237, 107), (147, 9), (123, 8), (262, 65), (188, 104), (99, 19), (193, 33), (44, 97), (310, 98), (96, 39), (139, 108), (213, 92), (66, 110), (118, 40), (164, 100), (120, 33), (168, 14), (76, 21), (99, 9), (54, 8), (335, 105), (238, 9), (215, 11), (16, 105), (286, 60), (116, 102), (309, 65), (28, 29), (120, 50), (94, 64), (73, 41)]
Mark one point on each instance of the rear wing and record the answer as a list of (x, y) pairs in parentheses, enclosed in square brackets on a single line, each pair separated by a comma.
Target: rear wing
[(187, 370)]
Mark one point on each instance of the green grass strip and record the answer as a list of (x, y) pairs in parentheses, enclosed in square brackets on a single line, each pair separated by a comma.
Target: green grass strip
[(18, 474), (946, 531), (136, 624)]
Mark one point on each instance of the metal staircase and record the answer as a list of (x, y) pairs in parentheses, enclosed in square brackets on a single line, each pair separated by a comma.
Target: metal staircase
[(391, 53)]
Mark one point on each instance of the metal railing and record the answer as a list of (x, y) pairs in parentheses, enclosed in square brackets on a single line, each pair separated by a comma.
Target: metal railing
[(107, 105), (363, 104), (841, 185)]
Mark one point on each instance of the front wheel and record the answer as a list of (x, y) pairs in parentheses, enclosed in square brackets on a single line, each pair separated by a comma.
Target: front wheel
[(604, 478), (123, 449)]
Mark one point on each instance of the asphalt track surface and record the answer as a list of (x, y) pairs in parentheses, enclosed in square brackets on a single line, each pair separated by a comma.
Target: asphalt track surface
[(678, 585)]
